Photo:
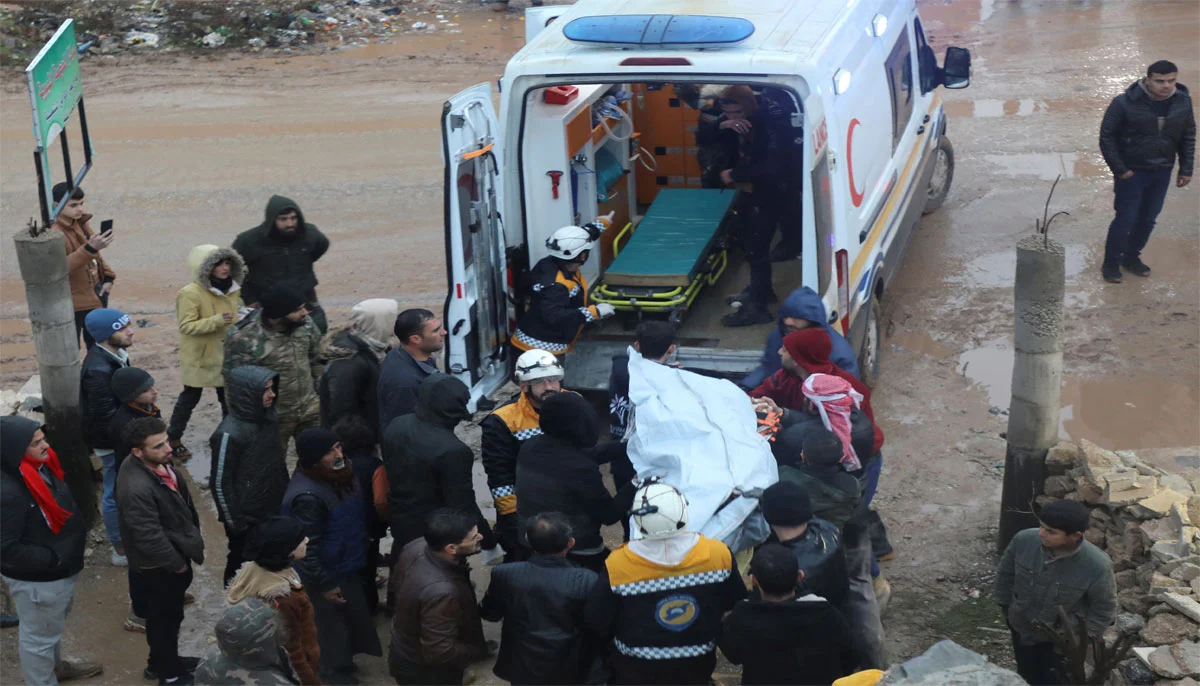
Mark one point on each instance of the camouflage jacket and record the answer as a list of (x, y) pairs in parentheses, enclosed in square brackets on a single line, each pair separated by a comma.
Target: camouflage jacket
[(249, 649), (295, 356)]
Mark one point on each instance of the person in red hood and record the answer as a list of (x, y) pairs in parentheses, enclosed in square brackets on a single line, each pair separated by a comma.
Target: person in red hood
[(42, 537)]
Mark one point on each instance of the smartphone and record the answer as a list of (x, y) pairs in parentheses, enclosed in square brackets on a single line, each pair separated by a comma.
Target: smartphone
[(106, 225)]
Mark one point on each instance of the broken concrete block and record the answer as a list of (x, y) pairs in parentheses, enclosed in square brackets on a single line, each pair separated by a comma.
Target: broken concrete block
[(1184, 605), (1196, 586), (1130, 496), (1120, 480), (1159, 505), (1169, 628), (1097, 462), (1165, 551), (1061, 458), (1185, 573), (1133, 600), (1176, 482), (1127, 457), (1127, 623), (32, 387), (1163, 663), (1058, 486), (1187, 656), (1193, 509), (1155, 530), (1170, 567), (1160, 583), (1147, 470)]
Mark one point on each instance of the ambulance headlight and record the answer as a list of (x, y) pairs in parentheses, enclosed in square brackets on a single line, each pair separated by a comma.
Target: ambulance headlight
[(841, 81), (878, 25)]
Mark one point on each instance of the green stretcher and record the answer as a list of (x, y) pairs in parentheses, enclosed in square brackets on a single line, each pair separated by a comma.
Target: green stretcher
[(677, 249)]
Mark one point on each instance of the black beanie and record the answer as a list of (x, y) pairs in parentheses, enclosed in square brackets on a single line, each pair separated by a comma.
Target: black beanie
[(130, 382), (822, 448), (786, 503), (280, 300), (271, 543), (314, 444), (1070, 516)]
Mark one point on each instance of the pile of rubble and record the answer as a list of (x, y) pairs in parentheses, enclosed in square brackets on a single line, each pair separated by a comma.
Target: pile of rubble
[(26, 402), (1148, 521), (105, 27)]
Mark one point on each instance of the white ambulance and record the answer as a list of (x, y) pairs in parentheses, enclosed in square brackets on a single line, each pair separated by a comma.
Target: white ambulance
[(598, 114)]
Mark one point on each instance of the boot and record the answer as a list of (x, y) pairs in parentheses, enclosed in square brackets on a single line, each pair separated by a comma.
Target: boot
[(744, 295), (66, 670), (883, 592), (748, 315)]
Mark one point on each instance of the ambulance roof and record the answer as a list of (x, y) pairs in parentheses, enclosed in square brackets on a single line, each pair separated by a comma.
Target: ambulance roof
[(788, 33)]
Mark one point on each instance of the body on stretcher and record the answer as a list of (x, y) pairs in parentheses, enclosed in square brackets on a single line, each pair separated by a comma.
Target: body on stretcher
[(677, 249)]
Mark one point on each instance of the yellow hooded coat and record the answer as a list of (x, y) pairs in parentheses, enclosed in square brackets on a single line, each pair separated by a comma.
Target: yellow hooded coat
[(199, 308)]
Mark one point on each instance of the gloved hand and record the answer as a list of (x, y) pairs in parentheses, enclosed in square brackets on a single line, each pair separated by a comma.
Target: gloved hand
[(605, 310)]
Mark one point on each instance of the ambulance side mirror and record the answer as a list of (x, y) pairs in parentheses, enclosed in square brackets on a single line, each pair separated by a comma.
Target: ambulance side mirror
[(956, 68)]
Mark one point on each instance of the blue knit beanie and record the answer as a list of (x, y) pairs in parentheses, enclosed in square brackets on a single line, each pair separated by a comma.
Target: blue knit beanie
[(103, 323)]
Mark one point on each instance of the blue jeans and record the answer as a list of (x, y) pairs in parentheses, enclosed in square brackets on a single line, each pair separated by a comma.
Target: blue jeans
[(108, 501), (1137, 201)]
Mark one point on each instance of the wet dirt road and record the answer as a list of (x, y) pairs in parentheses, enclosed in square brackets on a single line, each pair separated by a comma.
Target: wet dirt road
[(190, 148)]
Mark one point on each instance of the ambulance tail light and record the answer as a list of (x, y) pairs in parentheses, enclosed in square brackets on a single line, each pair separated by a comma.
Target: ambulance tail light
[(842, 258)]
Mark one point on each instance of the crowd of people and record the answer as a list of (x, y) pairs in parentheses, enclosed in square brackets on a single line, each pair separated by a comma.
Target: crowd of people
[(373, 423)]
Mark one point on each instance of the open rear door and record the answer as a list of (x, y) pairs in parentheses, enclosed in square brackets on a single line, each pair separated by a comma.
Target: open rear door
[(476, 312)]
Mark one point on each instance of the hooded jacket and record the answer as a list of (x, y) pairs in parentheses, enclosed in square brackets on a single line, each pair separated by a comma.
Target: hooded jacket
[(250, 648), (1132, 138), (274, 259), (86, 269), (804, 640), (555, 473), (350, 383), (96, 397), (199, 309), (294, 355), (248, 475), (427, 465), (29, 550), (803, 303)]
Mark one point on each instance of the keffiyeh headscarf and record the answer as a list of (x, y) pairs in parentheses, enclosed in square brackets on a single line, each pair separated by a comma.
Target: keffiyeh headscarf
[(835, 399)]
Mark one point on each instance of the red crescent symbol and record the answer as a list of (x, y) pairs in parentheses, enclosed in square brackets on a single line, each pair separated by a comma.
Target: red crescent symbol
[(855, 196)]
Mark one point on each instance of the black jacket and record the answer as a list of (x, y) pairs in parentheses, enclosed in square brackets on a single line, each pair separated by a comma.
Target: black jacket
[(542, 603), (558, 308), (821, 556), (248, 475), (556, 473), (1130, 136), (116, 426), (799, 641), (96, 398), (350, 382), (761, 158), (29, 551), (399, 382), (427, 465), (274, 259), (159, 526)]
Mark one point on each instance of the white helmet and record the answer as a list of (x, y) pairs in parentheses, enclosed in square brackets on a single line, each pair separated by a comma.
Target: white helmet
[(537, 364), (659, 510), (569, 241)]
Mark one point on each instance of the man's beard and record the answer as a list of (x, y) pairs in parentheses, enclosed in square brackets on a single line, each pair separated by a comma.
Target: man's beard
[(287, 325), (342, 479)]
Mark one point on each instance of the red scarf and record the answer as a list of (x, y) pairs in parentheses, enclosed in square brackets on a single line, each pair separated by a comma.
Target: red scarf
[(55, 515)]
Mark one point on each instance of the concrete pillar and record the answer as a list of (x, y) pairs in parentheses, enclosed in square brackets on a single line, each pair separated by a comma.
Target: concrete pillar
[(1036, 379), (43, 263)]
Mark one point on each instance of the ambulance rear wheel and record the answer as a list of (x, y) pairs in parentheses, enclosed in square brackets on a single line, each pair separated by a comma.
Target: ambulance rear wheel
[(868, 359), (943, 174)]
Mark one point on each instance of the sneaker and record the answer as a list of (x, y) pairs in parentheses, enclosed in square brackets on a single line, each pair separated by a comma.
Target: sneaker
[(1111, 273), (66, 670), (744, 295), (135, 624), (185, 680), (883, 592), (748, 316), (190, 664), (119, 560), (1137, 267)]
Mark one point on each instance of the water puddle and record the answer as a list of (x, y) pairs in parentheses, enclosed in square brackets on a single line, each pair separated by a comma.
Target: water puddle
[(1119, 413), (921, 342), (1050, 165), (988, 108), (999, 269)]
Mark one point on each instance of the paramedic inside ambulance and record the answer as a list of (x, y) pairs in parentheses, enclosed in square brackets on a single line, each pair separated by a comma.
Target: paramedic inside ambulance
[(558, 299), (755, 135)]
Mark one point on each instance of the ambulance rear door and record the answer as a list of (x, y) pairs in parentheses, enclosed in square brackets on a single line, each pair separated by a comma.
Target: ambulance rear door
[(476, 314)]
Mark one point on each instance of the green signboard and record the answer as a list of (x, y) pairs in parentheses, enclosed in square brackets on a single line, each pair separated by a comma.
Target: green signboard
[(55, 84)]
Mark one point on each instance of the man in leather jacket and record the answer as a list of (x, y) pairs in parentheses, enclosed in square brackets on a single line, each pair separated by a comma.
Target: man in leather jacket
[(817, 543), (542, 602)]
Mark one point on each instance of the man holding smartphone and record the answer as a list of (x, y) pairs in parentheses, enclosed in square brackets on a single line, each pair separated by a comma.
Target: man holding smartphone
[(90, 276)]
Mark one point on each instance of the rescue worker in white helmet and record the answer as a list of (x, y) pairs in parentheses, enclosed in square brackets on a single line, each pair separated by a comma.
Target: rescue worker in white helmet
[(558, 299), (662, 595), (539, 374)]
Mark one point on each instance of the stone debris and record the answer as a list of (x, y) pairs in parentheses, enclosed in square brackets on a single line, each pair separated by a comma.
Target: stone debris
[(948, 664), (1148, 521)]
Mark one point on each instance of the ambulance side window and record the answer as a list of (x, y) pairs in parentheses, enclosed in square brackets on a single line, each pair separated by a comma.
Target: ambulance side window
[(899, 72), (926, 60), (823, 214)]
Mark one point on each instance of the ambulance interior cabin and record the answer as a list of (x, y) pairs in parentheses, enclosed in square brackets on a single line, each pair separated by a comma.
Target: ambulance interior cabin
[(672, 251)]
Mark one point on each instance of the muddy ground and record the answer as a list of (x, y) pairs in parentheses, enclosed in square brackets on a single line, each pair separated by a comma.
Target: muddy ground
[(189, 147)]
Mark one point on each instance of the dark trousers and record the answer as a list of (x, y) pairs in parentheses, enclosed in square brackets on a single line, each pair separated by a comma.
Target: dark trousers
[(1035, 663), (688, 670), (137, 593), (368, 574), (405, 672), (594, 561), (184, 404), (758, 219), (88, 341), (164, 613), (236, 556), (1137, 201)]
